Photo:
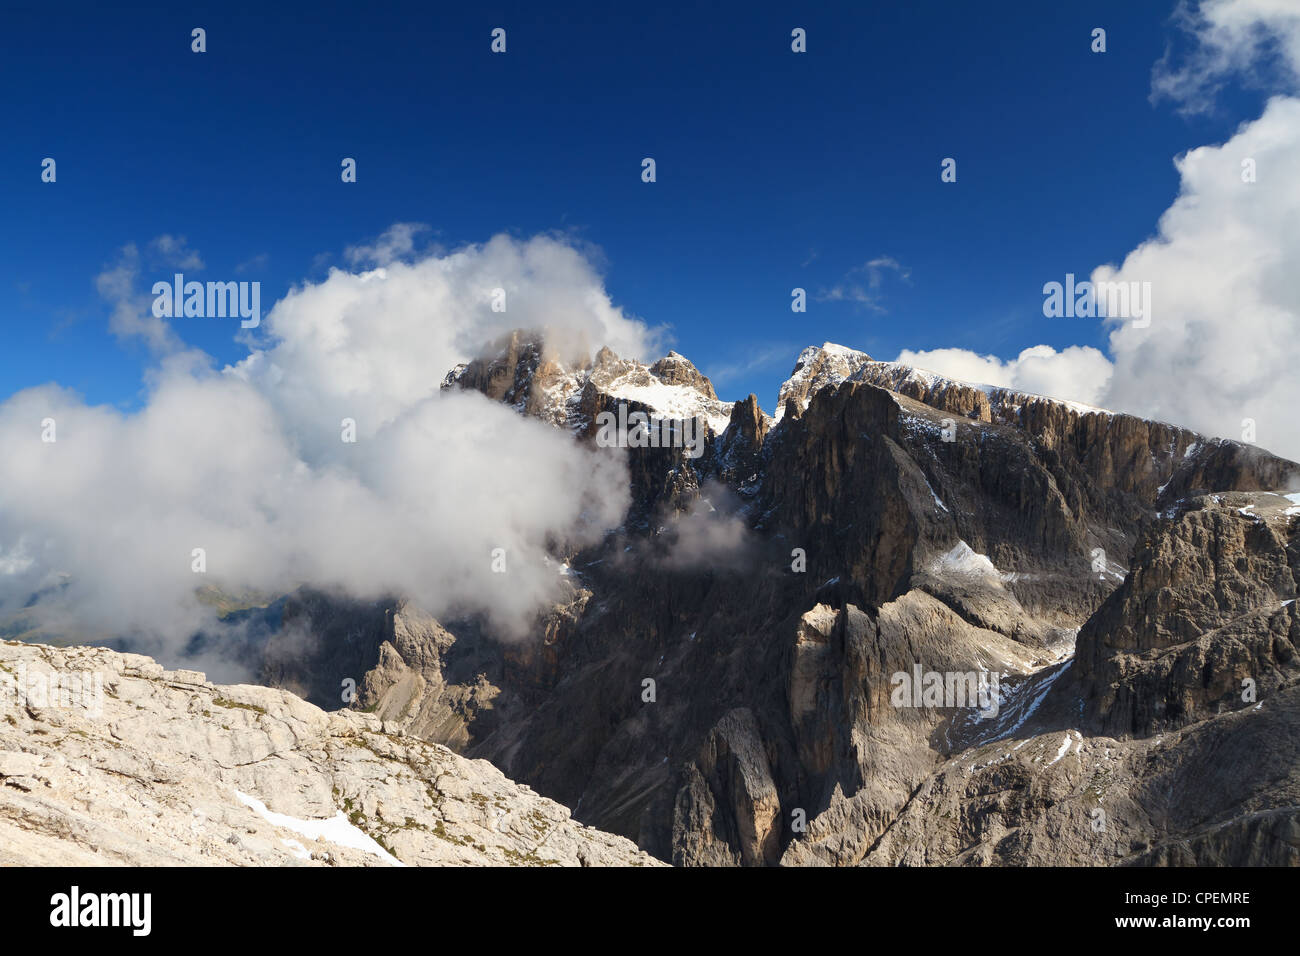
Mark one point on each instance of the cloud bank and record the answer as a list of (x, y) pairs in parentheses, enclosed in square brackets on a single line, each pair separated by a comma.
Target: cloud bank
[(1223, 344), (249, 464), (1078, 373)]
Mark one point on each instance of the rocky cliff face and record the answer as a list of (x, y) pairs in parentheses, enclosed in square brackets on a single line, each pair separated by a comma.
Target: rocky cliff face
[(107, 758), (1207, 615)]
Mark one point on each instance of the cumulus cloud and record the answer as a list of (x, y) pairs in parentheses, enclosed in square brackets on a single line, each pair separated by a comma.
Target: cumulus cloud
[(247, 463), (1078, 373), (370, 345), (1223, 342)]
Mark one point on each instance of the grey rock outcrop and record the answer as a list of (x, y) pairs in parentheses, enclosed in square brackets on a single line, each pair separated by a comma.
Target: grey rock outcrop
[(125, 763)]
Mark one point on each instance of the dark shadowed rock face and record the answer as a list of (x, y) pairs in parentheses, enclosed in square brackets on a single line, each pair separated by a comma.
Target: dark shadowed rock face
[(1208, 610), (736, 706)]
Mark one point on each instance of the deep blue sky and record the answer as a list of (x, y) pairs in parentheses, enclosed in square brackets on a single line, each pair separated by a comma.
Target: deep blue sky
[(775, 170)]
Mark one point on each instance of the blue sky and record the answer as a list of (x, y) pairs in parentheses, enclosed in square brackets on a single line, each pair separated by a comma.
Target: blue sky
[(775, 170)]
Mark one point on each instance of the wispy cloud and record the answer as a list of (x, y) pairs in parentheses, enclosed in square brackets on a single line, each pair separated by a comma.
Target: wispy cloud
[(132, 310), (395, 243), (255, 264), (1256, 42), (174, 251), (756, 359), (862, 284)]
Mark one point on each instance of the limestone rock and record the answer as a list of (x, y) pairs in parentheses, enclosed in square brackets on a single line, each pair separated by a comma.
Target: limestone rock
[(161, 768)]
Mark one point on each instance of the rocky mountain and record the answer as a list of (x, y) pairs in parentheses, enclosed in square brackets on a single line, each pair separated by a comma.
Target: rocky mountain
[(1172, 739), (902, 620), (1117, 578), (520, 371), (107, 758)]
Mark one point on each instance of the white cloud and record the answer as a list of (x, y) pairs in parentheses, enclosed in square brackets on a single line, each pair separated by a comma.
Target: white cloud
[(248, 463), (876, 268), (396, 242), (1078, 373), (1223, 343), (174, 251), (711, 536), (1257, 41), (862, 284), (370, 345), (1224, 339), (132, 316)]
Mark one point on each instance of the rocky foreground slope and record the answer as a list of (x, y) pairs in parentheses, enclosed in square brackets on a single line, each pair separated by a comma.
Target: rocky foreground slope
[(124, 763)]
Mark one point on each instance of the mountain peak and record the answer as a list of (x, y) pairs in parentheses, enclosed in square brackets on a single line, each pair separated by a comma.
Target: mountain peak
[(516, 373), (816, 368)]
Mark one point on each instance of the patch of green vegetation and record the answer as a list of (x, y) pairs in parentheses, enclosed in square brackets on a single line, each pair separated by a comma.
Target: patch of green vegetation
[(440, 831), (236, 705), (526, 859), (537, 820), (364, 744), (359, 820), (227, 603)]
